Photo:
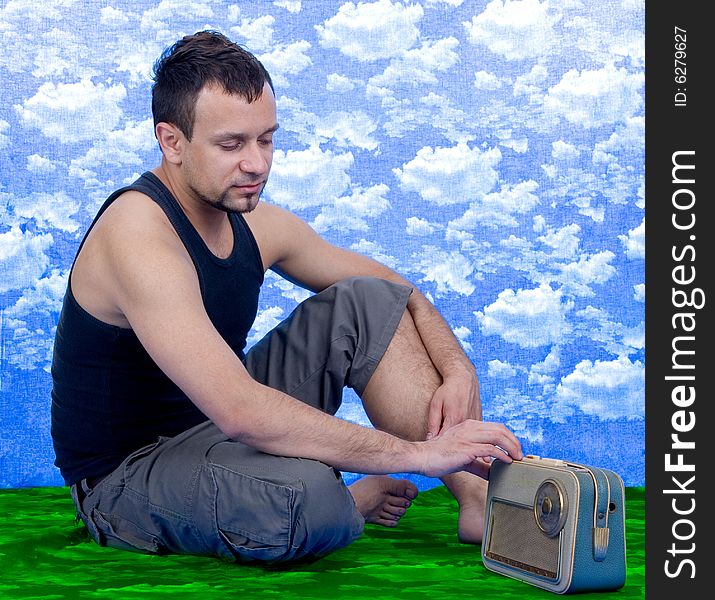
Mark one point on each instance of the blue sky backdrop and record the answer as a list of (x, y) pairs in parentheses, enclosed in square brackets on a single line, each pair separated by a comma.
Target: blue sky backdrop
[(490, 151)]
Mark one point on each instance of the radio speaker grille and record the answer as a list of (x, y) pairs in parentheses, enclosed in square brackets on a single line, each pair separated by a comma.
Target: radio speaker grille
[(516, 540)]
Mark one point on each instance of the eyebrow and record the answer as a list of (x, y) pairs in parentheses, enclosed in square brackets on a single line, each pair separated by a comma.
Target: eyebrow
[(230, 135)]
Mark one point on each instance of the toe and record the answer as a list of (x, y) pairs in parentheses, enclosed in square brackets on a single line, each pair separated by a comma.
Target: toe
[(396, 511), (385, 522)]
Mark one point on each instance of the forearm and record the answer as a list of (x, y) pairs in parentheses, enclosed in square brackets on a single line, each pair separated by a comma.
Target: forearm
[(276, 423), (441, 344)]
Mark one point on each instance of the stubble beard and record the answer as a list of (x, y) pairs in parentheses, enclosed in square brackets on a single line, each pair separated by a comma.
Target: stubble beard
[(224, 203)]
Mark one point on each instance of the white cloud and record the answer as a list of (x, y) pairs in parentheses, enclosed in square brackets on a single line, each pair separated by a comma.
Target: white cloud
[(634, 242), (418, 66), (462, 333), (286, 60), (577, 277), (163, 16), (639, 292), (449, 271), (607, 43), (350, 213), (564, 151), (417, 226), (497, 208), (375, 251), (528, 318), (605, 389), (266, 320), (500, 369), (311, 177), (564, 242), (515, 29), (257, 33), (520, 412), (530, 84), (595, 98), (45, 296), (628, 138), (287, 289), (22, 258), (352, 128), (339, 83), (28, 10), (72, 112), (371, 31), (292, 6), (348, 128), (4, 126), (454, 3), (48, 210), (542, 373), (31, 348), (483, 80), (137, 57), (112, 17), (40, 164), (124, 147), (450, 175), (617, 338), (452, 122)]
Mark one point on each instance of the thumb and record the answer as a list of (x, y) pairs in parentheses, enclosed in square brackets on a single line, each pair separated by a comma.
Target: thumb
[(434, 418)]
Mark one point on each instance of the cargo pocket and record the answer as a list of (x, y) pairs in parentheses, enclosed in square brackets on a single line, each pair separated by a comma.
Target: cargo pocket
[(116, 532), (254, 518)]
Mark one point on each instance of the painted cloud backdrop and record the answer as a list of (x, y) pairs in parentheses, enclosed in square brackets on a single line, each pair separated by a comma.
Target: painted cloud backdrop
[(490, 151)]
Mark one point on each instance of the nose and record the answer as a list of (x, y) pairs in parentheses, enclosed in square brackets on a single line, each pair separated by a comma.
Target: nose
[(255, 160)]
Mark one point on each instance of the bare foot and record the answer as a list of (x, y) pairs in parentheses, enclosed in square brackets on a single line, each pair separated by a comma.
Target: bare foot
[(470, 527), (382, 499), (471, 494)]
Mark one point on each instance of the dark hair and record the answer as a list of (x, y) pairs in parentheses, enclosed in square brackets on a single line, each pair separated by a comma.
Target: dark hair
[(192, 63)]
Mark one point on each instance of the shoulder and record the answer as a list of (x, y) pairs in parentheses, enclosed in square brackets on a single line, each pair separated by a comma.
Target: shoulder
[(133, 224), (133, 211), (131, 243)]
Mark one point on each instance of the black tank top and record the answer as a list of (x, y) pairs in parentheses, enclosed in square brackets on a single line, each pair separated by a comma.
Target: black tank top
[(109, 397)]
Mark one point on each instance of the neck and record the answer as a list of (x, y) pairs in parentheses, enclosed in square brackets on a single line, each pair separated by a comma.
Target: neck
[(211, 223), (205, 218)]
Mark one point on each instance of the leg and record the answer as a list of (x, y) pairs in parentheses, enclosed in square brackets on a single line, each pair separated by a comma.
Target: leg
[(397, 401), (332, 340), (201, 493)]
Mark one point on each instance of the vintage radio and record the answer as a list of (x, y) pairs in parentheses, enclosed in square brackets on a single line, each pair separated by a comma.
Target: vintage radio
[(556, 525)]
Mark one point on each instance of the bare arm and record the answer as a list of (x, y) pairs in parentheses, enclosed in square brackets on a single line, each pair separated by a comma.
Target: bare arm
[(155, 287)]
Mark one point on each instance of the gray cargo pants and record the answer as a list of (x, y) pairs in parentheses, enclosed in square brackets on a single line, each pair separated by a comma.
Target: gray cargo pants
[(203, 493)]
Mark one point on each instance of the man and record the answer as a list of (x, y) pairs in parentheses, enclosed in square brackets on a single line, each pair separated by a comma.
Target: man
[(172, 438)]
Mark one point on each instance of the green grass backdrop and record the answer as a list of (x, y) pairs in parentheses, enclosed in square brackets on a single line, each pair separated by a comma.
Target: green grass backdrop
[(44, 554)]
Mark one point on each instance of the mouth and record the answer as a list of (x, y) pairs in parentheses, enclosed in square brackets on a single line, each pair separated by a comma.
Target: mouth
[(252, 188)]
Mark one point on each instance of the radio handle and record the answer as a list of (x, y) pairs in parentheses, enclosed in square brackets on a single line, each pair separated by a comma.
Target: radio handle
[(602, 496)]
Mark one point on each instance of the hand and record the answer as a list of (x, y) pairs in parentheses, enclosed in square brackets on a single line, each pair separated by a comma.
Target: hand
[(455, 401), (469, 446)]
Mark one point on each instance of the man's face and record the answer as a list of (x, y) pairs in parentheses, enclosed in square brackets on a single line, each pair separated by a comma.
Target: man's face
[(227, 162)]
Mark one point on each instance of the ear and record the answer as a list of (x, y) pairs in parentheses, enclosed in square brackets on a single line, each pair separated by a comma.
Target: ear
[(171, 141)]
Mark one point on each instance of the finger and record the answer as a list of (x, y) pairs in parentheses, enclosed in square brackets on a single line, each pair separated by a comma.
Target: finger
[(434, 418), (499, 435), (448, 422)]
